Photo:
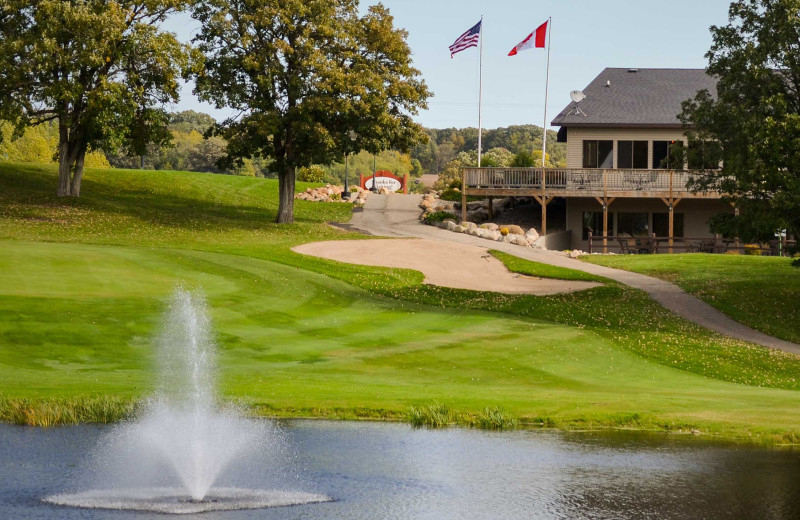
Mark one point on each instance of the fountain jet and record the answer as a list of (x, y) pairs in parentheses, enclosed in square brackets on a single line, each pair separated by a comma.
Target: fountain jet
[(171, 458)]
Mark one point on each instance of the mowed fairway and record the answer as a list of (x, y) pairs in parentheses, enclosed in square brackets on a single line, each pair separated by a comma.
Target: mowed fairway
[(759, 291), (83, 285)]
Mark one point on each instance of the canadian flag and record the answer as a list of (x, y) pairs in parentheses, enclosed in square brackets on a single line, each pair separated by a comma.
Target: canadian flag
[(534, 39)]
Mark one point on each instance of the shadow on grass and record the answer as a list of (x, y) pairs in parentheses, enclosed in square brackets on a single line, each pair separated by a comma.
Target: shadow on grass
[(166, 198)]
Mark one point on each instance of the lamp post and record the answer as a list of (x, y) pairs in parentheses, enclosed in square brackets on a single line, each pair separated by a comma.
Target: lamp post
[(374, 188), (346, 193)]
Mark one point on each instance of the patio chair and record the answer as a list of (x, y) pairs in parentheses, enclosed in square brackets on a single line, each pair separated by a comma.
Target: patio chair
[(627, 245)]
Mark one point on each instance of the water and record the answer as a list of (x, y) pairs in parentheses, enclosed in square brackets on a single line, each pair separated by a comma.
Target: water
[(185, 455), (391, 471)]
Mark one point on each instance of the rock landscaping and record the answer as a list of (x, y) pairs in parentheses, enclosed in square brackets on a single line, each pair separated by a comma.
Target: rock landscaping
[(432, 206), (477, 211), (331, 193)]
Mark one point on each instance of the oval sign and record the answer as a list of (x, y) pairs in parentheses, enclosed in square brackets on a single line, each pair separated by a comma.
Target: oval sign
[(383, 182)]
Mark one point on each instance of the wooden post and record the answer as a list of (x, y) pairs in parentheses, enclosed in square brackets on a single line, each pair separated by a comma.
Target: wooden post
[(671, 213), (590, 242), (605, 228), (405, 184), (464, 195), (671, 226), (544, 216), (544, 196), (605, 213), (605, 202)]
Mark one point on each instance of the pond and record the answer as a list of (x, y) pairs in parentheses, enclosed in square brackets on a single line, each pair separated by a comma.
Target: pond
[(374, 471)]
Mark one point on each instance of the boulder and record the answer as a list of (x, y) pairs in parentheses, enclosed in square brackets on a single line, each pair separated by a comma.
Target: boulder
[(519, 240), (532, 235), (515, 230), (468, 224), (492, 234), (491, 226), (460, 229), (575, 253), (450, 225)]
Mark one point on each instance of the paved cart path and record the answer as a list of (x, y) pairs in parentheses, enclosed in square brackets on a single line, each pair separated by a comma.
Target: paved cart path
[(398, 216)]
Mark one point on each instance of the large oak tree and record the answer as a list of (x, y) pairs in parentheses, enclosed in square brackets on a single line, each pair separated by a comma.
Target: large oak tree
[(752, 122), (311, 80), (102, 68)]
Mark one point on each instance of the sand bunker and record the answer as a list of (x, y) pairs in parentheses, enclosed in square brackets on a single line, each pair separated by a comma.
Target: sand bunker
[(445, 264)]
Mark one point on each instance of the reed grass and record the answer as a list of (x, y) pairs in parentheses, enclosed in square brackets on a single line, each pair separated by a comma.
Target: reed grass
[(492, 418), (438, 415), (76, 410), (435, 415)]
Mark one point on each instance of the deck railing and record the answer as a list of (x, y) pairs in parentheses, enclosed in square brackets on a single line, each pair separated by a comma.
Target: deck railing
[(716, 244), (589, 180)]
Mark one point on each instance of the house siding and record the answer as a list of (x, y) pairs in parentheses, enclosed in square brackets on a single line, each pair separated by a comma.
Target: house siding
[(696, 213), (577, 135)]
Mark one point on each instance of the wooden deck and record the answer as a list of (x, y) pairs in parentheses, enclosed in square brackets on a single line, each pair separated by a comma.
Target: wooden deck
[(544, 184), (564, 182)]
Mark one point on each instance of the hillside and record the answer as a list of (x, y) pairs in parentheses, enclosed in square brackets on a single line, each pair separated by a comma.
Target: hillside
[(83, 284)]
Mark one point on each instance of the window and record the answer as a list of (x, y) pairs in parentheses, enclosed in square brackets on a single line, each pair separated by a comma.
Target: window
[(661, 224), (632, 154), (704, 155), (634, 224), (593, 223), (668, 154), (598, 154)]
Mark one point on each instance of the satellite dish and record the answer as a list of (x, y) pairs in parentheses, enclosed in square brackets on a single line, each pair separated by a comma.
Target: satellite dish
[(577, 96)]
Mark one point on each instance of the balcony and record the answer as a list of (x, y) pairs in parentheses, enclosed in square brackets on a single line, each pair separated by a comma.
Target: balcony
[(569, 182)]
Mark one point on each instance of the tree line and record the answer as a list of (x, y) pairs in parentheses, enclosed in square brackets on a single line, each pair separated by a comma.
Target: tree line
[(187, 148)]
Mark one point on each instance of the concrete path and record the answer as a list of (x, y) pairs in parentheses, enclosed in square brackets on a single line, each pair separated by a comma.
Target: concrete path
[(398, 216)]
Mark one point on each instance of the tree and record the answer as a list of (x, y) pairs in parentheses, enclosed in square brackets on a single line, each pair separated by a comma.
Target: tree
[(312, 79), (752, 123), (101, 68)]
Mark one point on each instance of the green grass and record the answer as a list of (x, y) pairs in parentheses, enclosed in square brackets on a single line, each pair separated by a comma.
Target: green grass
[(761, 292), (83, 284)]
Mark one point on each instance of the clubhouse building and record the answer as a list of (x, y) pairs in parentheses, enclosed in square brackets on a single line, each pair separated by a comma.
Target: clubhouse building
[(622, 178)]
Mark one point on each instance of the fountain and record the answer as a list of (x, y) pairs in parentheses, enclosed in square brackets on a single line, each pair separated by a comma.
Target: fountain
[(173, 458)]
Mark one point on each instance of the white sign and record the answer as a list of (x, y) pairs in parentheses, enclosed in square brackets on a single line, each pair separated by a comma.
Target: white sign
[(384, 182)]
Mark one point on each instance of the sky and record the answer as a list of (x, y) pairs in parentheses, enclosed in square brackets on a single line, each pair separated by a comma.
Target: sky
[(586, 37)]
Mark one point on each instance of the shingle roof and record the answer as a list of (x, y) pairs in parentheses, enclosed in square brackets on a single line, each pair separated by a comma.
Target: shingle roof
[(646, 97)]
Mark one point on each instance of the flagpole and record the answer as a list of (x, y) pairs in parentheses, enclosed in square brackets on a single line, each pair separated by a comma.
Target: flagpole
[(546, 92), (480, 92)]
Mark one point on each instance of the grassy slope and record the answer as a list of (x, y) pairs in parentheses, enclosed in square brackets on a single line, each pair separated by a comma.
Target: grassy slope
[(82, 285), (761, 292)]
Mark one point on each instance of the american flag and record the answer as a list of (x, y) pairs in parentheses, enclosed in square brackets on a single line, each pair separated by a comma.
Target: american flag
[(467, 40)]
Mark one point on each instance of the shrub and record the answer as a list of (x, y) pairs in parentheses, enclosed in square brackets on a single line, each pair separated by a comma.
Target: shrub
[(752, 249), (313, 173), (440, 216)]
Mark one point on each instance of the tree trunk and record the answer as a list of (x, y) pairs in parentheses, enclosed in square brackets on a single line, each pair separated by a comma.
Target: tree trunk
[(286, 196), (77, 174), (63, 159)]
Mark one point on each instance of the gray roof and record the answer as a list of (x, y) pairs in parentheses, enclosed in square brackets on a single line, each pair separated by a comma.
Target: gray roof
[(646, 97)]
